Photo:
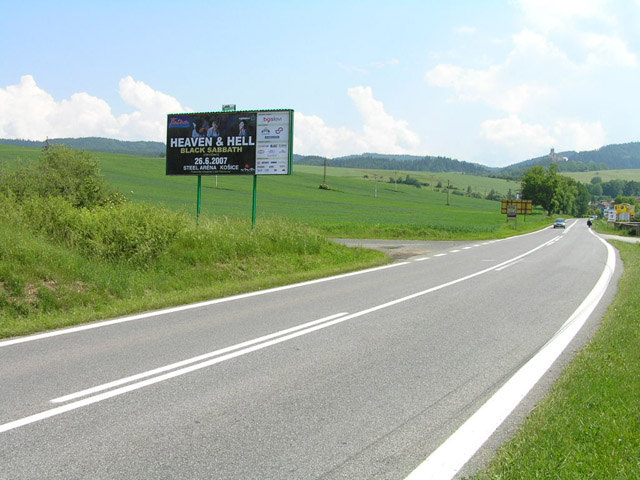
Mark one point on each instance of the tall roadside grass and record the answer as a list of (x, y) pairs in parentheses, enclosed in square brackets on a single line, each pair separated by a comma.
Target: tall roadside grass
[(589, 425), (432, 231), (73, 266), (71, 251)]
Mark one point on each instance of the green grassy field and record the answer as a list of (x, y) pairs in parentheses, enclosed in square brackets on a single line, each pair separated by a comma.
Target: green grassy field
[(355, 205), (605, 175)]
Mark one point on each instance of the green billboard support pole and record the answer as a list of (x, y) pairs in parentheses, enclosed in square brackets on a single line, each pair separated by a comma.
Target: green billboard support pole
[(199, 200), (255, 202)]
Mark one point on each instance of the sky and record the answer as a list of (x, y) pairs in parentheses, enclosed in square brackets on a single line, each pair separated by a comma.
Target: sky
[(493, 82)]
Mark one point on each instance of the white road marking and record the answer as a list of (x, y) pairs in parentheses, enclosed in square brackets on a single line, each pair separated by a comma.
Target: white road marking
[(189, 361), (457, 450), (507, 266), (327, 322), (181, 308), (439, 254)]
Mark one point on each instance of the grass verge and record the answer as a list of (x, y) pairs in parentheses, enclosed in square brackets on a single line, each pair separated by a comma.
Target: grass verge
[(588, 426), (50, 280)]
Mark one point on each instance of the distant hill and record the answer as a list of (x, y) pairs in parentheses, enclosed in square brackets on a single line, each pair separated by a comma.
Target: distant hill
[(610, 157), (98, 144), (412, 163)]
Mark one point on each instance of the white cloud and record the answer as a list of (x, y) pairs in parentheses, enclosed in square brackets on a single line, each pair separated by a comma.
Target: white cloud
[(528, 140), (512, 132), (24, 109), (312, 136), (381, 133), (549, 15), (580, 135), (149, 120), (28, 112), (566, 51), (606, 51), (492, 86), (588, 25)]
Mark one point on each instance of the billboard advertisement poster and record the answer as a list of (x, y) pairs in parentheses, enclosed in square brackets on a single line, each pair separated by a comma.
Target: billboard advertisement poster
[(272, 154), (229, 142)]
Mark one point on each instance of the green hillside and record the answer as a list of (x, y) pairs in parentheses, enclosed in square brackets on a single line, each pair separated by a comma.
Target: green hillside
[(97, 144), (605, 175), (351, 199)]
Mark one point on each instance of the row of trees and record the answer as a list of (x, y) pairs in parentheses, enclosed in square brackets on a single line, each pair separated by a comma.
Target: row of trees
[(555, 193), (613, 188)]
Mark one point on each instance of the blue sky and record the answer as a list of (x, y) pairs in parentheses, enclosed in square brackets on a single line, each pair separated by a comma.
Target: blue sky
[(493, 82)]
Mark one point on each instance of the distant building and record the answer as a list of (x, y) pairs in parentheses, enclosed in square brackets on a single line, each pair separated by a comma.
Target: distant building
[(557, 158)]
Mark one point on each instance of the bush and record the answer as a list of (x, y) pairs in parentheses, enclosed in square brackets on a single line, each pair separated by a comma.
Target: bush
[(61, 172), (129, 233)]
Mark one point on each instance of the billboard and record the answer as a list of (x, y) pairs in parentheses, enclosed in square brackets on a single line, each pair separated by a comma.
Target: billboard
[(230, 142)]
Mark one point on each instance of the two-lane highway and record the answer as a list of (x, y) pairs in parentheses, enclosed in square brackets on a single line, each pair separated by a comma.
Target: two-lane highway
[(356, 376)]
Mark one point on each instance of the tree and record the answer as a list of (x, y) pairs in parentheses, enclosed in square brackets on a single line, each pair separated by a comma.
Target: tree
[(595, 189), (613, 188), (632, 189), (555, 193), (493, 195), (539, 185), (582, 201)]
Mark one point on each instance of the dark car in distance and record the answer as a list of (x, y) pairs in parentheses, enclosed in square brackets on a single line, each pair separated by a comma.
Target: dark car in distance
[(560, 223)]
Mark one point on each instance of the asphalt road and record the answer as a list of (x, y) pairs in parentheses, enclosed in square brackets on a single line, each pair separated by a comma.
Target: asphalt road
[(358, 376)]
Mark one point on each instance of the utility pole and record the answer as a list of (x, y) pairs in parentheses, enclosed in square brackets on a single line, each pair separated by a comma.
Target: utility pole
[(448, 193), (324, 176)]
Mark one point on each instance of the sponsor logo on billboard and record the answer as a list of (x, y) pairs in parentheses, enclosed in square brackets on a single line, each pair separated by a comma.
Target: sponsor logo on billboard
[(177, 122)]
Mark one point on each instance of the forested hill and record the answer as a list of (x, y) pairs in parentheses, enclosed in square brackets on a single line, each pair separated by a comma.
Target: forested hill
[(398, 162), (610, 157), (98, 144), (616, 157)]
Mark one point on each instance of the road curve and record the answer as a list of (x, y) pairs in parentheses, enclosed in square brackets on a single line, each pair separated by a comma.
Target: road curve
[(363, 375)]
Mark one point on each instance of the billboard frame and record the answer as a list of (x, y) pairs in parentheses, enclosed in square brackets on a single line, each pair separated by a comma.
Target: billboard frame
[(228, 142)]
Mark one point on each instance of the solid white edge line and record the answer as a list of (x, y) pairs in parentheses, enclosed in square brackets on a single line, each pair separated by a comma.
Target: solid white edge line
[(457, 450), (191, 306)]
